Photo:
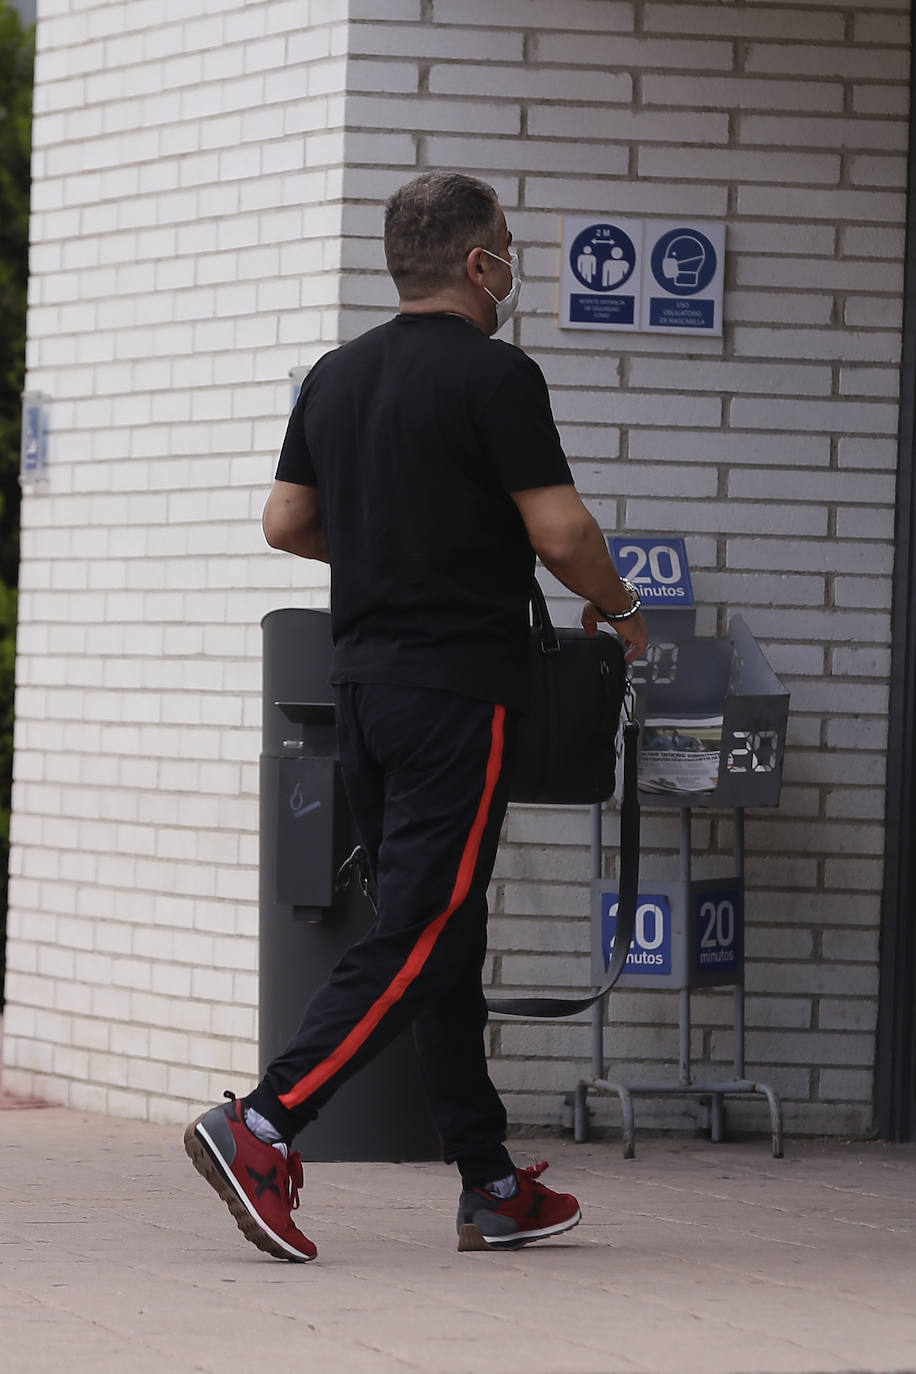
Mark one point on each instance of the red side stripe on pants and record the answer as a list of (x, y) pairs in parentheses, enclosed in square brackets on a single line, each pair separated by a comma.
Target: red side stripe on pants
[(426, 942)]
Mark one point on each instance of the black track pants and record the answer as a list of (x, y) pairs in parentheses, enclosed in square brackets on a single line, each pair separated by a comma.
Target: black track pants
[(424, 773)]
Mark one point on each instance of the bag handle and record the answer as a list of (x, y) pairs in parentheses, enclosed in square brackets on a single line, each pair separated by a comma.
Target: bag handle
[(540, 620), (626, 906)]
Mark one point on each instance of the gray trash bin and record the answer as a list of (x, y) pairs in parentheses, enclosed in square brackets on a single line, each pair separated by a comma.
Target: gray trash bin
[(306, 923)]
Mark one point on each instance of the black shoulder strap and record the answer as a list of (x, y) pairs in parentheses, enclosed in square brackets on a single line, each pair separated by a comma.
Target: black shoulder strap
[(626, 907), (540, 620)]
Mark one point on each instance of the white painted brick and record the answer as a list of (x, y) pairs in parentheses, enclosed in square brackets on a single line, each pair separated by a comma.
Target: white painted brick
[(638, 52), (880, 28), (419, 112), (718, 517), (869, 311), (802, 554), (429, 42), (858, 452), (876, 276), (760, 21), (872, 99), (777, 1046), (857, 804), (863, 417), (634, 409), (527, 83), (624, 197), (791, 131), (804, 450), (872, 170), (846, 1084), (848, 1014), (814, 486), (590, 15), (816, 60), (740, 165), (741, 93), (872, 241), (597, 158), (781, 379), (820, 203), (870, 381)]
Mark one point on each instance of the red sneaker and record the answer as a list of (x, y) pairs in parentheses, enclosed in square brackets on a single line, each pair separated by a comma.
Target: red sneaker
[(258, 1185), (486, 1222)]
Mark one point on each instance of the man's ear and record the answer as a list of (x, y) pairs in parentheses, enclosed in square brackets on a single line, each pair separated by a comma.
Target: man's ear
[(476, 266)]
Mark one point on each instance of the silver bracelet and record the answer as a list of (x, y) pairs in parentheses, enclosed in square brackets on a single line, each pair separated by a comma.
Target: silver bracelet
[(635, 604)]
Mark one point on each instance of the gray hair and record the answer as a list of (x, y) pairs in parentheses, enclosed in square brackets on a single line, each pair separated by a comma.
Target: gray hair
[(431, 225)]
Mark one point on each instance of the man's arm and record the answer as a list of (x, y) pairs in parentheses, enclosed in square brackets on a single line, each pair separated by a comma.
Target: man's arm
[(292, 521), (570, 544)]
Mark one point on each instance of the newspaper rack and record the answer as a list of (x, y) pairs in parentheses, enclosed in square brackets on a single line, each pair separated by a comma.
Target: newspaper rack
[(690, 932)]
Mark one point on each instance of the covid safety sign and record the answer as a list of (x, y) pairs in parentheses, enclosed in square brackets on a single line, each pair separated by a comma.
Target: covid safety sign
[(645, 276), (601, 274)]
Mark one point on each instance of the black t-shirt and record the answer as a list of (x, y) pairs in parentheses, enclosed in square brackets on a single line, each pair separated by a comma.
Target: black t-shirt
[(414, 434)]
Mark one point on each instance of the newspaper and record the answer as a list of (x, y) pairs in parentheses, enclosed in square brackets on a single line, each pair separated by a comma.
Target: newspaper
[(680, 754)]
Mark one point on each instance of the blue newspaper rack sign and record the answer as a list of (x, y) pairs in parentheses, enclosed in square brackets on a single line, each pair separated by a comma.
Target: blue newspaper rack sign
[(686, 934), (650, 952), (657, 567), (716, 931)]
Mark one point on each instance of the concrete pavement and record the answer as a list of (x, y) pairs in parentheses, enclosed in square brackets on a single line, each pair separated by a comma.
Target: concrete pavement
[(116, 1258)]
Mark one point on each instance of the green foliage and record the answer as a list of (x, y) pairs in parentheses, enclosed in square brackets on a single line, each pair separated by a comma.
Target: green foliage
[(17, 45)]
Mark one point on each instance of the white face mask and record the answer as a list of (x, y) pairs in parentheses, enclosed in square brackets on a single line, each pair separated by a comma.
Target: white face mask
[(507, 307)]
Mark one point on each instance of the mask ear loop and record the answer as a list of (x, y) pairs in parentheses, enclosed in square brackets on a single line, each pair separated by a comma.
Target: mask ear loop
[(512, 264), (486, 288)]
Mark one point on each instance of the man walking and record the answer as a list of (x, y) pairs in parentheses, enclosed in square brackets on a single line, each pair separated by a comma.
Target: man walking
[(422, 462)]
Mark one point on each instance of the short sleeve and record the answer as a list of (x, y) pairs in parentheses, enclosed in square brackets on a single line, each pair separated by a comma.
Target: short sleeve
[(295, 462), (518, 431)]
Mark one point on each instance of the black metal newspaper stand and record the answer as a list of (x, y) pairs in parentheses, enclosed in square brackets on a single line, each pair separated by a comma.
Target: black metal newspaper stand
[(689, 932)]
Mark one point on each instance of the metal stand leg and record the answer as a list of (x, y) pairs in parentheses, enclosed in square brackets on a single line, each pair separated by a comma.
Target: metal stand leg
[(580, 1113), (717, 1120), (629, 1121), (715, 1091), (775, 1118), (684, 1065)]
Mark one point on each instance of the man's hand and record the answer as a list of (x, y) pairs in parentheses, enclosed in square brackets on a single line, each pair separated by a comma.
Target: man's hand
[(633, 630)]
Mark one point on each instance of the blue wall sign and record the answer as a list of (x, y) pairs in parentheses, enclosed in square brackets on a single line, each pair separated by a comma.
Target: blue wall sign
[(650, 275), (717, 927), (657, 567), (684, 278), (683, 262), (33, 454), (602, 273), (602, 257), (650, 952)]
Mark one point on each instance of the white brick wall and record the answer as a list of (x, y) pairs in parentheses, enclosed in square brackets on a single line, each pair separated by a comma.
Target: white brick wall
[(202, 223), (774, 451), (186, 211)]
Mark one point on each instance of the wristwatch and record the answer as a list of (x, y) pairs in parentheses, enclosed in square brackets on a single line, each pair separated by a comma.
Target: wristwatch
[(635, 604)]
